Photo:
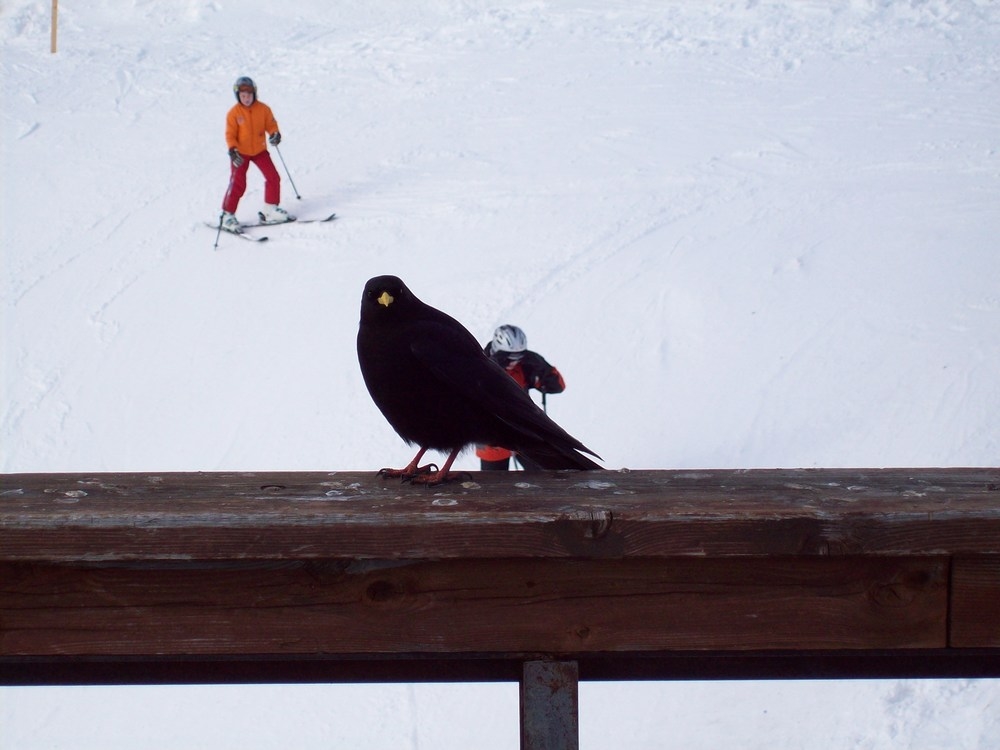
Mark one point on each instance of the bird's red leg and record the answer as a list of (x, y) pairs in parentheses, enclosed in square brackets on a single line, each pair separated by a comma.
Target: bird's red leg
[(443, 475), (412, 469)]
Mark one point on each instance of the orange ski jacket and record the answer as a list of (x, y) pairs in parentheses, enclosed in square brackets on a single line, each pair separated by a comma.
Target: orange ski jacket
[(247, 127)]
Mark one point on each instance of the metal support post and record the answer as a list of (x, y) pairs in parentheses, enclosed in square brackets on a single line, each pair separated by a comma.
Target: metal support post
[(550, 705)]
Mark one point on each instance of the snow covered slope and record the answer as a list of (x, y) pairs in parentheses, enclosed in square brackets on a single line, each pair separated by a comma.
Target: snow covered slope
[(750, 234)]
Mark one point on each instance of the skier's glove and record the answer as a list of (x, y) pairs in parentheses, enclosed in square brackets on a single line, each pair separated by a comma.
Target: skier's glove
[(275, 139), (235, 158)]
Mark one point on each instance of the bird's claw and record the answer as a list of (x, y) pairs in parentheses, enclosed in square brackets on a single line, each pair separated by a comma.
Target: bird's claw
[(420, 474), (409, 473), (438, 477), (428, 475)]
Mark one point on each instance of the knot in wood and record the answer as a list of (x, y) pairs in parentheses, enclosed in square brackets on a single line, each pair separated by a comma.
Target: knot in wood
[(600, 523), (902, 590), (590, 535), (823, 544)]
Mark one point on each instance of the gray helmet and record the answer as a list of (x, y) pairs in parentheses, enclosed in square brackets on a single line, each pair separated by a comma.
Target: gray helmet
[(508, 338), (244, 82)]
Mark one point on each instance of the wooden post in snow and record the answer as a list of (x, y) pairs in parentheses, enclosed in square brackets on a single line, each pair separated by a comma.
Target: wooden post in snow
[(55, 23)]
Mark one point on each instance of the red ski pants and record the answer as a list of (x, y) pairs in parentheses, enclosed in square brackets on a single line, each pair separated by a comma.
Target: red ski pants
[(238, 181)]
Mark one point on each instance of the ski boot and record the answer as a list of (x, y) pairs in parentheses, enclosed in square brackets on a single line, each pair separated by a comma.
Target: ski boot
[(230, 223), (274, 215)]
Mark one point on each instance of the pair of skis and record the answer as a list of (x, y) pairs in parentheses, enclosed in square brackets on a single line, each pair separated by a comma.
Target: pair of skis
[(243, 234)]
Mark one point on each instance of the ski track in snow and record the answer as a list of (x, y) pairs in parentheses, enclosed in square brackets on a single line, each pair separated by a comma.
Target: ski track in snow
[(749, 233)]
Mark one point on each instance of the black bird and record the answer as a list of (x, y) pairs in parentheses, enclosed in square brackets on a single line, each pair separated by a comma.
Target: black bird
[(431, 380)]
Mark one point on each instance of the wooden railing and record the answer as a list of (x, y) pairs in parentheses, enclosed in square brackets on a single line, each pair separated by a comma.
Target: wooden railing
[(543, 578)]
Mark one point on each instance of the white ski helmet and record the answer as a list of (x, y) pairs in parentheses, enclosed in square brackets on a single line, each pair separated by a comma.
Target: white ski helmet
[(244, 82), (508, 338)]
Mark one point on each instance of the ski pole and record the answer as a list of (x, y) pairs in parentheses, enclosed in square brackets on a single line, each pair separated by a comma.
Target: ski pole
[(222, 213), (290, 180), (218, 232)]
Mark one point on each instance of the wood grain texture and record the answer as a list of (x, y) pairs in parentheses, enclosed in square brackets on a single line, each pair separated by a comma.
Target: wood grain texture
[(335, 515), (975, 602), (449, 606)]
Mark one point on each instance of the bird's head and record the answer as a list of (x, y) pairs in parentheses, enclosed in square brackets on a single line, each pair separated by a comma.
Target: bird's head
[(383, 293)]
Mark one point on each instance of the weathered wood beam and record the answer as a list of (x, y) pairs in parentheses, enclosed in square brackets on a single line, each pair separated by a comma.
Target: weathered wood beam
[(336, 515), (975, 605), (456, 606), (629, 573)]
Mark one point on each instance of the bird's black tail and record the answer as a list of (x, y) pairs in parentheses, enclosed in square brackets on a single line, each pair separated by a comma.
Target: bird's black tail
[(558, 455)]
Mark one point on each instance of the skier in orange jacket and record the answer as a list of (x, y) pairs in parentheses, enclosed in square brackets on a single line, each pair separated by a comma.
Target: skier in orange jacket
[(247, 123), (509, 349)]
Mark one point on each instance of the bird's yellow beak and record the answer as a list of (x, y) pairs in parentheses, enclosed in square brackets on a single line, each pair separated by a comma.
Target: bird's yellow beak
[(386, 299)]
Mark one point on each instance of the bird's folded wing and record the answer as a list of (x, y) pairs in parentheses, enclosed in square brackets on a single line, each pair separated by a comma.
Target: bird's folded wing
[(455, 358)]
